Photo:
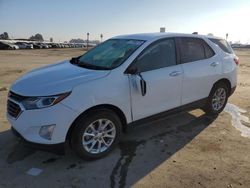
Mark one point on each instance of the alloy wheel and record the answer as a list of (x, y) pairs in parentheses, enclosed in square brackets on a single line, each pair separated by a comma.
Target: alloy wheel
[(98, 136), (219, 99)]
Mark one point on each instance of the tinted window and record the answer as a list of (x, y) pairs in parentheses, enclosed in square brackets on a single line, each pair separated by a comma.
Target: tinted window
[(191, 49), (208, 50), (158, 55), (223, 44)]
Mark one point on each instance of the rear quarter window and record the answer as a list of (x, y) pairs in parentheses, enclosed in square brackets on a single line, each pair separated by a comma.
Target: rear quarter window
[(223, 44)]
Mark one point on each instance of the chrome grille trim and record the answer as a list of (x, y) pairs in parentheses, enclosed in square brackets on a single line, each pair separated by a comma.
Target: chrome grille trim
[(14, 107)]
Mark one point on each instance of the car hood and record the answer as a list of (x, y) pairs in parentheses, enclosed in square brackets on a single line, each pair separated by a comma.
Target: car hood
[(54, 79)]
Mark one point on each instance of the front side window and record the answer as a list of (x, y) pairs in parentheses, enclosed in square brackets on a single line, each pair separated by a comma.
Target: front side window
[(159, 55), (109, 54)]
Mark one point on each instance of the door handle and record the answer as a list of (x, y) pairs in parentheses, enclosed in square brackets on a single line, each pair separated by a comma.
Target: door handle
[(214, 64), (175, 73)]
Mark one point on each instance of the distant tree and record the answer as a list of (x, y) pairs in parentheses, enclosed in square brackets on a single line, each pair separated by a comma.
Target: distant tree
[(51, 39), (37, 37), (4, 36)]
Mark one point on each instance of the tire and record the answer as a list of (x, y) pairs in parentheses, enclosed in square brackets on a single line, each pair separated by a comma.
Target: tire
[(86, 131), (221, 101)]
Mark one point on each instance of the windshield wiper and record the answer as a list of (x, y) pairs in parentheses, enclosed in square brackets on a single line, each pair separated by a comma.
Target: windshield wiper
[(77, 62), (74, 60)]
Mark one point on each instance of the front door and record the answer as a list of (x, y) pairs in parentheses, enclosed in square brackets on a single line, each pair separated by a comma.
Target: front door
[(163, 77)]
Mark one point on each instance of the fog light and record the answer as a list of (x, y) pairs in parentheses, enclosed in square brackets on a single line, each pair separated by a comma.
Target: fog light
[(47, 131)]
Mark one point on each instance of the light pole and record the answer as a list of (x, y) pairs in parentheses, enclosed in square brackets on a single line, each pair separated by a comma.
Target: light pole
[(87, 41), (101, 37)]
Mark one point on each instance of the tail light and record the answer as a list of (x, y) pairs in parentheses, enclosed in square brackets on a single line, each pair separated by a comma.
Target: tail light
[(237, 60)]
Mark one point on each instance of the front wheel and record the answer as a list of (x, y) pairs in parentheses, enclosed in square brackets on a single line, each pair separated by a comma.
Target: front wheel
[(96, 134), (217, 99)]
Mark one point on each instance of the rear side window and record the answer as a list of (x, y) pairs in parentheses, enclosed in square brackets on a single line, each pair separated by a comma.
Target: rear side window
[(208, 50), (223, 44), (194, 49)]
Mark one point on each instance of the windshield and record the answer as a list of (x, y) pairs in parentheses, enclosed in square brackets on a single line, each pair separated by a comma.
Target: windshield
[(109, 54)]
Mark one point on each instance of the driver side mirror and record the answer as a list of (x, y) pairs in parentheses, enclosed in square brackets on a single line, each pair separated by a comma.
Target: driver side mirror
[(140, 82), (132, 70)]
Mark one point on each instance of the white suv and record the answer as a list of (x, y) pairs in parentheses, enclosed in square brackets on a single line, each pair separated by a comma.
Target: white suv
[(90, 99)]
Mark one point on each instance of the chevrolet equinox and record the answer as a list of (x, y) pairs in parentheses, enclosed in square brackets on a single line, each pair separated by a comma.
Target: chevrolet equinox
[(90, 99)]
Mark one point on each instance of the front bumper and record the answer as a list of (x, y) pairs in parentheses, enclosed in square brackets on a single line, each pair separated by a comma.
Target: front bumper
[(53, 148), (29, 123)]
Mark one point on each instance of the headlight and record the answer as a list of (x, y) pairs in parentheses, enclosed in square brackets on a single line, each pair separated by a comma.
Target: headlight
[(43, 102)]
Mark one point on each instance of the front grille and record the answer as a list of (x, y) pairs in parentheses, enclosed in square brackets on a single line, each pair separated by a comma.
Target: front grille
[(16, 97), (13, 109)]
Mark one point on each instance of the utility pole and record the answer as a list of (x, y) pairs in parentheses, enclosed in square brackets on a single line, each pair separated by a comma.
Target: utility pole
[(101, 37), (87, 41)]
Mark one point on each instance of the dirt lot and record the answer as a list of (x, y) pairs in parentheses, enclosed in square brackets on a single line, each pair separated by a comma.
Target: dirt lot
[(184, 150)]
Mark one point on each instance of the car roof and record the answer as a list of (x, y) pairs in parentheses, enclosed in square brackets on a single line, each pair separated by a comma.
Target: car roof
[(153, 36), (214, 37)]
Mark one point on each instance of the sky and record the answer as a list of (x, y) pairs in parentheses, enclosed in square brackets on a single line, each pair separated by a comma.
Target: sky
[(67, 19)]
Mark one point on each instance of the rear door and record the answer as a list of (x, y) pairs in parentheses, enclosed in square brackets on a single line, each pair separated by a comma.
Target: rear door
[(202, 68), (158, 67)]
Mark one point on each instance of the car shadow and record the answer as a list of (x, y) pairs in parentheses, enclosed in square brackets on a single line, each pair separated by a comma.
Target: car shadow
[(141, 150), (163, 138)]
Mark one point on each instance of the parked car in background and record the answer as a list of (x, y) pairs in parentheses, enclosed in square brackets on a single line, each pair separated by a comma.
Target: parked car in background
[(62, 45), (14, 47), (37, 46), (92, 98), (44, 45), (54, 45), (66, 46), (71, 45), (5, 46), (8, 46), (23, 45), (80, 46)]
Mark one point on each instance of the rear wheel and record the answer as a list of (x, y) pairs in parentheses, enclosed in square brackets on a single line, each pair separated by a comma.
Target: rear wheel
[(96, 134), (217, 99)]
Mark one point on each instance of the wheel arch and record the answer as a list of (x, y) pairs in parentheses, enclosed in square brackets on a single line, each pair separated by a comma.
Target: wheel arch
[(115, 109), (225, 81)]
